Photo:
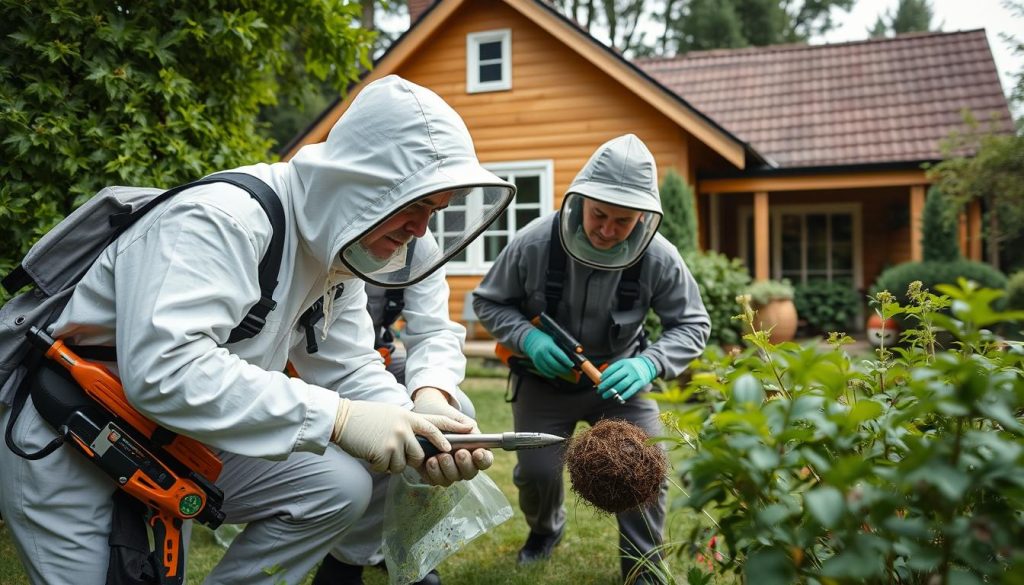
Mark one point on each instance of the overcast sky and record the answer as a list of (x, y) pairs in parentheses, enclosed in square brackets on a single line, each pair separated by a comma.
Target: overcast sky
[(950, 15)]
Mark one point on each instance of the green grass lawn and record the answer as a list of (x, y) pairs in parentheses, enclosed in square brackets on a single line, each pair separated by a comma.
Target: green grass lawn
[(587, 554)]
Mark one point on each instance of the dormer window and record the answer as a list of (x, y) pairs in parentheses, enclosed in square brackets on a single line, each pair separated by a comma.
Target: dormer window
[(489, 61)]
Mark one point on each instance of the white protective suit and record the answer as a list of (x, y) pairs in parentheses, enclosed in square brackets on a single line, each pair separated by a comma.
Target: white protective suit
[(169, 291), (433, 357)]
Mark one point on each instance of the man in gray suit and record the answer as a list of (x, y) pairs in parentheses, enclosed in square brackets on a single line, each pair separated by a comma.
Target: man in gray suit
[(617, 268)]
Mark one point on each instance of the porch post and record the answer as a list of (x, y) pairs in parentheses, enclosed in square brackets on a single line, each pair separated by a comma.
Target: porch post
[(762, 243), (713, 229), (916, 207), (974, 230)]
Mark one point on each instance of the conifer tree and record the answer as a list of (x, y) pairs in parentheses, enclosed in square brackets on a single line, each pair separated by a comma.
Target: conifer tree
[(679, 224), (938, 230)]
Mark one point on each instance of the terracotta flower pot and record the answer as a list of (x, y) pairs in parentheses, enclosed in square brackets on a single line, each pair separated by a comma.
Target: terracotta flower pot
[(780, 317)]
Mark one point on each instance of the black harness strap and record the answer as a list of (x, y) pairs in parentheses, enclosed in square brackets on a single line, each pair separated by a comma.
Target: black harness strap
[(256, 318), (554, 282), (394, 304), (629, 284)]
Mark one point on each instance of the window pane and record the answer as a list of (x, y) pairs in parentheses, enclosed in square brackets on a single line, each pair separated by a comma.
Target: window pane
[(499, 224), (528, 189), (817, 241), (842, 228), (525, 216), (842, 257), (454, 219), (490, 73), (493, 245), (461, 256), (791, 238), (491, 50)]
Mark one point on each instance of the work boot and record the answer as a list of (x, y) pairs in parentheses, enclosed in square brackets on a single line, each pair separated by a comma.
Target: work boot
[(334, 572), (538, 547)]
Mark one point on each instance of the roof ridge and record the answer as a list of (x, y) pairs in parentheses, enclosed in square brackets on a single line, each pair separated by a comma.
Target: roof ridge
[(792, 47)]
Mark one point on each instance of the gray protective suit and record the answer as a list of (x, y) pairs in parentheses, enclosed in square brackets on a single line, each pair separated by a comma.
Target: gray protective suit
[(513, 290), (168, 292)]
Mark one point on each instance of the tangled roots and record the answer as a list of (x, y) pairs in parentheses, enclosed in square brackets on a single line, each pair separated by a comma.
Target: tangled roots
[(614, 467)]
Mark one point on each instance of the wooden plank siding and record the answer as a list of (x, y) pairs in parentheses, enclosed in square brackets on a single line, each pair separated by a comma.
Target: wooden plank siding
[(560, 107)]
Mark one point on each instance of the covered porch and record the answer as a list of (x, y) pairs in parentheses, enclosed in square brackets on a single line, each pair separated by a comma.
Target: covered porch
[(830, 225)]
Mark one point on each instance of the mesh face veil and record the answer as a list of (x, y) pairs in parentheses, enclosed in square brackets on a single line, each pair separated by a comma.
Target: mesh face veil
[(605, 235), (409, 244), (612, 208)]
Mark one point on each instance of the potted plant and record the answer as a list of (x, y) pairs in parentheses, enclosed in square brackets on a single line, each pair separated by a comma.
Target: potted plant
[(775, 311)]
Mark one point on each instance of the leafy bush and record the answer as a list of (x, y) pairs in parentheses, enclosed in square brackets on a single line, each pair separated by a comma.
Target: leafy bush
[(817, 468), (95, 94), (763, 292), (827, 306), (897, 279), (721, 279), (1015, 291)]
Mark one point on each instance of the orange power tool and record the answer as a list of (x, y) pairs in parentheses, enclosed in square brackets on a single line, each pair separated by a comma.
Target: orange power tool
[(174, 481)]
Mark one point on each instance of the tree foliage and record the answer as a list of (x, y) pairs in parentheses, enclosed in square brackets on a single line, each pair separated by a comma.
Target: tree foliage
[(149, 93), (692, 25), (679, 224), (984, 164), (938, 229), (909, 16), (688, 25)]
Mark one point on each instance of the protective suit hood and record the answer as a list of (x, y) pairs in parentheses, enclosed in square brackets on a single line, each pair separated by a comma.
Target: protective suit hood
[(397, 143), (622, 173)]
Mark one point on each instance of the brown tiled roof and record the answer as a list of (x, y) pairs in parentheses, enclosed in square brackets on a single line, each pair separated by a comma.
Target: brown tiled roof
[(876, 101)]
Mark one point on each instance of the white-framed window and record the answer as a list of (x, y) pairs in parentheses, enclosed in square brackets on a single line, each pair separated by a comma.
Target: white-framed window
[(534, 181), (810, 243), (489, 61)]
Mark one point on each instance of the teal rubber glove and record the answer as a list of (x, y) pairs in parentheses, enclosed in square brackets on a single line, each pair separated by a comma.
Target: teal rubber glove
[(627, 377), (547, 357)]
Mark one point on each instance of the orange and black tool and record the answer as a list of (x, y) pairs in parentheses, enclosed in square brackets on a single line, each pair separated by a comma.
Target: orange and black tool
[(174, 481), (385, 352), (573, 348)]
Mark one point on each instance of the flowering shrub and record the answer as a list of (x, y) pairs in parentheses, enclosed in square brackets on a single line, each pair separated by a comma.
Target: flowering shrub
[(908, 468)]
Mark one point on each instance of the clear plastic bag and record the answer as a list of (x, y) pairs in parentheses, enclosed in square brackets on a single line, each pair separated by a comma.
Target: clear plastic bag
[(424, 524)]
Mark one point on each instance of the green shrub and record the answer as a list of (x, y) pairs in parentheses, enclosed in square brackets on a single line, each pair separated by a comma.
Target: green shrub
[(721, 279), (897, 279), (155, 94), (1015, 291), (820, 468), (763, 292), (827, 306)]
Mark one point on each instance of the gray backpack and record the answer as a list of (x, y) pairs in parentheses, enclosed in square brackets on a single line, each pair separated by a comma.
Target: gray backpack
[(59, 259)]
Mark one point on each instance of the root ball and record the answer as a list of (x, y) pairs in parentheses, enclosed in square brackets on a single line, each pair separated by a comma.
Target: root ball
[(614, 467)]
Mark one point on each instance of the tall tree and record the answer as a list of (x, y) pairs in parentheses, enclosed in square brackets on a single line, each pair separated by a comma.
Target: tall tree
[(710, 24), (94, 93), (289, 116), (909, 16), (984, 165), (938, 229), (679, 224)]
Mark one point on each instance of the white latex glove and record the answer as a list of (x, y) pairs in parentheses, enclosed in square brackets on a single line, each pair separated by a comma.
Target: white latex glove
[(445, 469), (385, 435)]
